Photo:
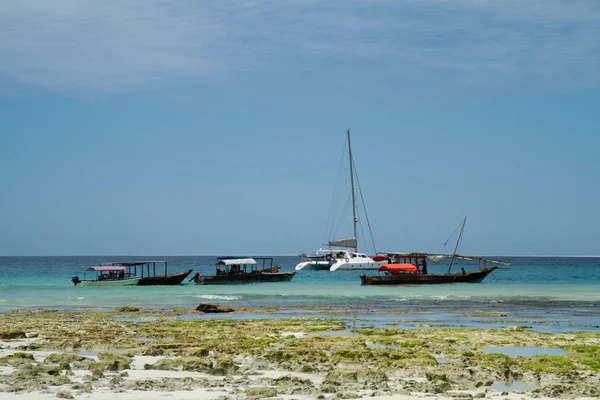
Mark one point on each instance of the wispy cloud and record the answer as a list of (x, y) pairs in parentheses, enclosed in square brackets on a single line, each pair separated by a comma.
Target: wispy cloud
[(107, 46)]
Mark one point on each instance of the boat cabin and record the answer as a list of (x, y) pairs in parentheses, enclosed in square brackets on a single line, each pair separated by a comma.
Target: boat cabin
[(146, 269), (348, 255), (106, 273), (235, 266), (418, 260)]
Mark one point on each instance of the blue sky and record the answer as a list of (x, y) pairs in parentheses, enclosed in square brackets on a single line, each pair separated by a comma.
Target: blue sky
[(192, 127)]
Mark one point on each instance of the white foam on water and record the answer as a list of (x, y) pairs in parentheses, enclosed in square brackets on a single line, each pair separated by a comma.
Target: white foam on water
[(216, 297)]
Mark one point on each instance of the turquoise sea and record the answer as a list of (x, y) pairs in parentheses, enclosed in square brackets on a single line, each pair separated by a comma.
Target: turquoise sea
[(544, 293)]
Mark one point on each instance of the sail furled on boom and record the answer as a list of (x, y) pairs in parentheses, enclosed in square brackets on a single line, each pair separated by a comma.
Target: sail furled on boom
[(351, 242), (436, 258)]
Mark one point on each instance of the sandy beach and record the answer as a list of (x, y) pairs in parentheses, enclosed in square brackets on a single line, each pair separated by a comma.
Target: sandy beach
[(157, 354)]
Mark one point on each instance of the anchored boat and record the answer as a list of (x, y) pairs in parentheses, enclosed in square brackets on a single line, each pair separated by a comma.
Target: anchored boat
[(148, 273), (343, 259), (105, 275), (407, 272), (244, 270), (411, 268)]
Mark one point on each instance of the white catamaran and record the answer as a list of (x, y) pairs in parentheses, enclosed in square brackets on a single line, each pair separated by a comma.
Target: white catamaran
[(346, 256)]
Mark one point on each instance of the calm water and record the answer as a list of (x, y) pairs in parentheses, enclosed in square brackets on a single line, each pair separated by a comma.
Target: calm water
[(547, 293)]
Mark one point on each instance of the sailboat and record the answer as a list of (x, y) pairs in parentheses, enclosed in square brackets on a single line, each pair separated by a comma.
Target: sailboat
[(411, 268), (342, 254)]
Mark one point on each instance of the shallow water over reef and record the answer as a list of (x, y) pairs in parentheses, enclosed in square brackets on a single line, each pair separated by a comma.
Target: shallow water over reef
[(550, 294), (525, 351)]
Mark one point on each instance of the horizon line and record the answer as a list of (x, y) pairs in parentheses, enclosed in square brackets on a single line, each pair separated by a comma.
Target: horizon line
[(265, 254)]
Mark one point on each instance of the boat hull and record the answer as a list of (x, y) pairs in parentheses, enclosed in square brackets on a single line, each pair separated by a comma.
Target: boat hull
[(246, 278), (116, 282), (420, 279), (313, 266), (169, 279), (356, 265)]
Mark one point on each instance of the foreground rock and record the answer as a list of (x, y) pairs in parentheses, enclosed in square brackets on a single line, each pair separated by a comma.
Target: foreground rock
[(128, 309), (213, 308)]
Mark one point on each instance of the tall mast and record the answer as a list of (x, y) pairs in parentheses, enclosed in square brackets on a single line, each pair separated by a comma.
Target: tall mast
[(352, 187), (457, 243)]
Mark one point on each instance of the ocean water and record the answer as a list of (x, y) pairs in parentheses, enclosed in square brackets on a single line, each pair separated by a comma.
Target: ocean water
[(545, 293)]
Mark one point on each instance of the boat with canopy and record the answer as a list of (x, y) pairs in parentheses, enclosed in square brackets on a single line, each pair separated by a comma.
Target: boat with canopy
[(105, 275), (230, 270), (151, 273)]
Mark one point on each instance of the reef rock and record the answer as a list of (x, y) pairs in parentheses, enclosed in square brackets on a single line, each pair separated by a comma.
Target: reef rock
[(128, 309), (373, 379), (8, 335), (213, 308), (260, 392), (337, 376)]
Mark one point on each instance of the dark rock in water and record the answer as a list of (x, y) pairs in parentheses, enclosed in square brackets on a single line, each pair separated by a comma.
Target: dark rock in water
[(213, 308), (128, 309), (64, 395)]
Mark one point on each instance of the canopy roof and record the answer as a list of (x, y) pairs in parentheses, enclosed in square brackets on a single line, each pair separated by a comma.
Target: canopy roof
[(398, 268), (133, 263), (242, 261), (106, 268), (400, 254)]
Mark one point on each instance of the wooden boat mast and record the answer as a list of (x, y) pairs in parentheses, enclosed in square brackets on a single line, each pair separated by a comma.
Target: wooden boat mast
[(457, 244), (354, 220)]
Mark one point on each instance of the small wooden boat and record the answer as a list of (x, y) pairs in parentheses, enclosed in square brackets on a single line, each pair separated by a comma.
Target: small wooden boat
[(149, 276), (244, 270), (105, 275)]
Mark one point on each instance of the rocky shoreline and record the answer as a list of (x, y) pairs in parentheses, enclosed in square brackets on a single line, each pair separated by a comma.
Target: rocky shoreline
[(150, 353)]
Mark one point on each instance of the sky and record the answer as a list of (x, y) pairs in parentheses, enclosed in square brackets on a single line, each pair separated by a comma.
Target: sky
[(146, 127)]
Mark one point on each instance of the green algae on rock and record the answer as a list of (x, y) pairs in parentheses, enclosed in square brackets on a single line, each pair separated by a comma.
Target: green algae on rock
[(260, 392), (12, 334), (404, 360), (34, 377)]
